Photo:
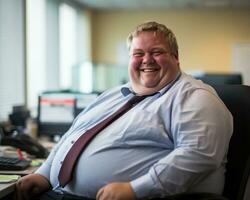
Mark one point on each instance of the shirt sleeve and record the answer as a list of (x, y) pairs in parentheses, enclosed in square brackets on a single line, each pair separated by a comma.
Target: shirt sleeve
[(201, 127)]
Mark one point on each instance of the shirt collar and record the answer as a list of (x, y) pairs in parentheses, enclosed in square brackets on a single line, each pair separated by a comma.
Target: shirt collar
[(127, 89)]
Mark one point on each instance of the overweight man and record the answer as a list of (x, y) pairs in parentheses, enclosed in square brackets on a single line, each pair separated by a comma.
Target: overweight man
[(174, 140)]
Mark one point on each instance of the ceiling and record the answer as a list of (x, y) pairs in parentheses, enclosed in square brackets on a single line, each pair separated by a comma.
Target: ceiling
[(160, 4)]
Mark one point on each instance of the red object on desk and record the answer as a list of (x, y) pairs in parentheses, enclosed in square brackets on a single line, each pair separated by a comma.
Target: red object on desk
[(20, 154)]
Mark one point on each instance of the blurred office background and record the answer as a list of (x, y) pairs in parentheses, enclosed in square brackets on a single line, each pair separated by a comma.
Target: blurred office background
[(80, 45)]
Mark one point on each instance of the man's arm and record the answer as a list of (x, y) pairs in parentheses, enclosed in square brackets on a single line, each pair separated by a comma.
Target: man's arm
[(201, 128), (30, 186), (116, 191)]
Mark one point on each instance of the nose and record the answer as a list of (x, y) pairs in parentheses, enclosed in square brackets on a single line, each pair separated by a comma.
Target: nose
[(148, 59)]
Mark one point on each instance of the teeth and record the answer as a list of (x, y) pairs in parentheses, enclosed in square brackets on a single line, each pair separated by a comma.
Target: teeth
[(148, 70)]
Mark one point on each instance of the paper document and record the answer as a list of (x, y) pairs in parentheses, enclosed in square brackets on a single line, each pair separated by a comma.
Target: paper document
[(8, 178)]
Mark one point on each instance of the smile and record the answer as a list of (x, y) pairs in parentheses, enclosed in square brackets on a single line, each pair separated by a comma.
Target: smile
[(149, 70)]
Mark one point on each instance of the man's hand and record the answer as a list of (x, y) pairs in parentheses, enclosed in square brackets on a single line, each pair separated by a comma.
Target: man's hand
[(116, 191), (30, 185)]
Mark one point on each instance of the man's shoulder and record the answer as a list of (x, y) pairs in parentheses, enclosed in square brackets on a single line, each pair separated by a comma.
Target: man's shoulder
[(187, 86), (188, 83)]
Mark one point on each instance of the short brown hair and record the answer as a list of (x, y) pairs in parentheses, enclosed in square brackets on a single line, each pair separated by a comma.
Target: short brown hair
[(158, 28)]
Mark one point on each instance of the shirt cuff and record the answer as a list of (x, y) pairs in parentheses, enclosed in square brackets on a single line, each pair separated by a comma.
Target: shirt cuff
[(145, 187)]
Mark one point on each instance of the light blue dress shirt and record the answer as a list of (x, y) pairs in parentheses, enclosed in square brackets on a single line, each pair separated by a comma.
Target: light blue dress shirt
[(174, 141)]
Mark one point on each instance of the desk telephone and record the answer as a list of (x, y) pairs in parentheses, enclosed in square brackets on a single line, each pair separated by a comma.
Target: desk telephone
[(24, 142)]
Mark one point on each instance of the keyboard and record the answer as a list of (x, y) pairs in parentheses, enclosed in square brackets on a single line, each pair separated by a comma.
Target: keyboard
[(12, 163)]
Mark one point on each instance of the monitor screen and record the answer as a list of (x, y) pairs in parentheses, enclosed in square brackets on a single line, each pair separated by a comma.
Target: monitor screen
[(57, 110), (55, 113)]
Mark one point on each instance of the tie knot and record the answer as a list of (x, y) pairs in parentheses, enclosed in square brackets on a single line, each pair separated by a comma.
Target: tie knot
[(136, 99)]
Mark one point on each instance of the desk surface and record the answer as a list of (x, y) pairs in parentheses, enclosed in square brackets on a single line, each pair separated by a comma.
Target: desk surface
[(29, 170), (7, 188)]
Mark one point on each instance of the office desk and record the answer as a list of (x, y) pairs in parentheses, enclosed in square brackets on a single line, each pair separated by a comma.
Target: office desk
[(24, 172), (8, 188)]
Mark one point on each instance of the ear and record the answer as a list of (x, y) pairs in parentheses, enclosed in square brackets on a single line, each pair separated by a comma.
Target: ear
[(176, 56)]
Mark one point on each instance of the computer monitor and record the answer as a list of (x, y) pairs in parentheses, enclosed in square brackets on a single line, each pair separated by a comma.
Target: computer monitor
[(56, 111), (219, 78), (55, 114)]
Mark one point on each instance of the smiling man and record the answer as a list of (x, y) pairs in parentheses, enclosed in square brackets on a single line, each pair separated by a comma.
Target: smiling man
[(175, 140), (153, 62)]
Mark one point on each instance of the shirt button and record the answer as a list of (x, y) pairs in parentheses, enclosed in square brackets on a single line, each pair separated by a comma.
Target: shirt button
[(61, 162), (72, 142)]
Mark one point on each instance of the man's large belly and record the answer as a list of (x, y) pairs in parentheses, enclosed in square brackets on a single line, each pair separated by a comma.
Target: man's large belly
[(120, 153), (111, 165)]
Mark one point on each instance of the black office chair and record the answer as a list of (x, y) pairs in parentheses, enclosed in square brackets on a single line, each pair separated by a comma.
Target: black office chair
[(237, 99)]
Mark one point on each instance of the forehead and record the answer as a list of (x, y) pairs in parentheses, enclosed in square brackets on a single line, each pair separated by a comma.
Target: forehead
[(149, 39)]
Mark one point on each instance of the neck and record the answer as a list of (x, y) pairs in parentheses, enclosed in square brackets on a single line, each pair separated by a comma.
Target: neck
[(140, 90)]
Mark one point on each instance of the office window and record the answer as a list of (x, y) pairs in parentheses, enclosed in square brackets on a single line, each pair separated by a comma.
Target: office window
[(36, 50), (56, 40), (68, 34)]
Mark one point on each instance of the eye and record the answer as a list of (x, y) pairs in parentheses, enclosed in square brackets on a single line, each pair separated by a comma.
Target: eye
[(157, 53), (138, 54)]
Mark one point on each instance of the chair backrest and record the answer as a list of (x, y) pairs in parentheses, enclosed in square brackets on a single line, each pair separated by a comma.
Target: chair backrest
[(237, 99)]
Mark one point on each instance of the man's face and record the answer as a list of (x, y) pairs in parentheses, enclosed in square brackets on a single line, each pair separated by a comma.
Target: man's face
[(151, 64)]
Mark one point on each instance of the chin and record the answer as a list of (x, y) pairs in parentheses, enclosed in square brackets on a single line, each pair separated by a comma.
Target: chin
[(146, 90), (149, 85)]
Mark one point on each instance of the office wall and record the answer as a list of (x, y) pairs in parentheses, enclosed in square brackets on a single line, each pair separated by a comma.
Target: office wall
[(205, 36)]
